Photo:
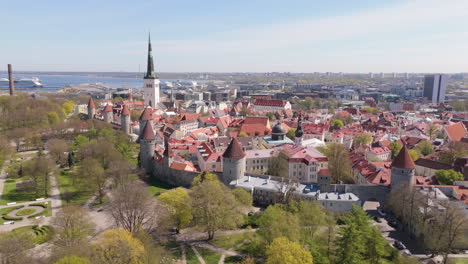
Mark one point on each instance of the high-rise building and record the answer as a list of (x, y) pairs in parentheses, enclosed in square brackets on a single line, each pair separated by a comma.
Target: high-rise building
[(435, 86), (151, 81)]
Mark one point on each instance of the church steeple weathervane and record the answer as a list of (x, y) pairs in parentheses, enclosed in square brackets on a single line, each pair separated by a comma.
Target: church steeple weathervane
[(150, 74)]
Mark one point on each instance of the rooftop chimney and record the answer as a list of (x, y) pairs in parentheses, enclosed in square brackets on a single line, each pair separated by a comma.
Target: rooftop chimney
[(10, 78)]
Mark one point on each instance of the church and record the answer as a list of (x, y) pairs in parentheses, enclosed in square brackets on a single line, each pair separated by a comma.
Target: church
[(151, 81)]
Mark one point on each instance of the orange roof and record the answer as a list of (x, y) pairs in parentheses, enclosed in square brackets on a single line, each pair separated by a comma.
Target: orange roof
[(148, 133), (108, 108), (125, 110), (234, 150), (456, 131), (146, 114), (91, 103)]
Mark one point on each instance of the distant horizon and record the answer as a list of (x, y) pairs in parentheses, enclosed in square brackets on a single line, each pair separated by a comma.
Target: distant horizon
[(299, 36)]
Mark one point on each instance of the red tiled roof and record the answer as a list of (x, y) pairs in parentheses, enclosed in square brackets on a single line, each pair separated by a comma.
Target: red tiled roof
[(275, 103), (125, 110), (108, 108), (91, 103), (146, 114), (403, 159), (148, 133), (234, 150), (456, 131), (256, 120)]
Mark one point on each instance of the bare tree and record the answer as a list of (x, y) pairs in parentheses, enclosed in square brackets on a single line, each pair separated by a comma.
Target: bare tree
[(57, 149), (133, 208), (73, 227)]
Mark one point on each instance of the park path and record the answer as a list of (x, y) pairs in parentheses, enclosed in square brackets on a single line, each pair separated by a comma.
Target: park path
[(200, 258), (3, 176)]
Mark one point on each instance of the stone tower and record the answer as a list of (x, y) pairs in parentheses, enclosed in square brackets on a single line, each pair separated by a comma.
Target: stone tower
[(402, 169), (233, 162), (91, 108), (125, 119), (299, 132), (108, 113), (150, 81), (147, 143), (144, 118)]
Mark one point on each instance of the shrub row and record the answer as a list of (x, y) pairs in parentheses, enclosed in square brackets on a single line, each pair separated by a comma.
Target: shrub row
[(11, 218)]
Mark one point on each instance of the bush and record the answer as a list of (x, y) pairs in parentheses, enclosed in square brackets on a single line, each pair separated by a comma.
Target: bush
[(252, 220), (26, 211), (41, 204), (11, 218)]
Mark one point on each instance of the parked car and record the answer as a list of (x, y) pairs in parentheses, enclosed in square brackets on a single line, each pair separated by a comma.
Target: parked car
[(377, 219), (399, 245), (381, 212)]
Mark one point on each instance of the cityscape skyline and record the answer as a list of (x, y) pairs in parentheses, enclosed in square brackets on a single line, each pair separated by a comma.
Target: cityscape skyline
[(301, 37)]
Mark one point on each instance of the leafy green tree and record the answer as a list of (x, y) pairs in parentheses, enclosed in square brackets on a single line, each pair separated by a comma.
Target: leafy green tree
[(337, 123), (68, 107), (460, 106), (425, 148), (291, 133), (79, 141), (118, 246), (284, 251), (53, 118), (447, 177), (339, 162), (73, 260), (279, 166), (395, 146), (93, 175), (371, 110), (311, 216), (362, 139), (272, 224), (204, 176), (243, 134), (432, 131), (454, 150), (242, 196), (214, 207), (414, 154), (177, 202)]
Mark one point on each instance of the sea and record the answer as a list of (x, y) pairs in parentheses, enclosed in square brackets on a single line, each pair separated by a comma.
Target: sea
[(54, 83)]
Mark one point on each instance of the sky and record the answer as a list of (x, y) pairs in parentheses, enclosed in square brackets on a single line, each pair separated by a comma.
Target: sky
[(236, 36)]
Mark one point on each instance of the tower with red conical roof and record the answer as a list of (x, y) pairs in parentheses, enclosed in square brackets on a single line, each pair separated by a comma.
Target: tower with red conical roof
[(91, 108), (108, 113), (147, 143), (233, 162), (125, 119), (403, 168), (144, 118)]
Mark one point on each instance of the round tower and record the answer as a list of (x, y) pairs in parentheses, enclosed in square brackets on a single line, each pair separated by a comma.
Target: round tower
[(402, 169), (233, 162), (125, 119), (108, 113), (147, 143), (278, 132), (144, 117), (91, 108)]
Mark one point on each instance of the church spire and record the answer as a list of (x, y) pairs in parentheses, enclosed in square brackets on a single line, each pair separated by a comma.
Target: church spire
[(150, 66)]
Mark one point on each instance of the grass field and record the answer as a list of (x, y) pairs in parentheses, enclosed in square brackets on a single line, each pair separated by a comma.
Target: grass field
[(10, 194), (70, 189), (209, 256), (458, 261), (190, 256), (38, 234), (157, 187)]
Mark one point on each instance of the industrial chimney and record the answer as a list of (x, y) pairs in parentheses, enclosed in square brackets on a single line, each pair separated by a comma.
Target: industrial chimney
[(10, 78)]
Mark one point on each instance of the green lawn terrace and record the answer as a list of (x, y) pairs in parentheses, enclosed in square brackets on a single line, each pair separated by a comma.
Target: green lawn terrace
[(36, 234), (17, 213)]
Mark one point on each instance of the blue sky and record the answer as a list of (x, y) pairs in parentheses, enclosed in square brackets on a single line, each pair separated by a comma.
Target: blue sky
[(241, 35)]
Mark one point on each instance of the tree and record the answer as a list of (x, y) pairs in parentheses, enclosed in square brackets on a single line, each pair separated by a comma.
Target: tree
[(460, 106), (339, 162), (73, 227), (371, 110), (53, 118), (133, 208), (38, 169), (93, 175), (395, 146), (447, 177), (243, 197), (57, 149), (279, 166), (73, 260), (270, 115), (118, 246), (5, 150), (337, 123), (204, 176), (243, 134), (79, 141), (454, 150), (362, 139), (291, 133), (425, 148), (311, 216), (13, 248), (68, 107), (177, 203), (272, 224), (432, 131), (214, 207), (283, 251), (414, 154)]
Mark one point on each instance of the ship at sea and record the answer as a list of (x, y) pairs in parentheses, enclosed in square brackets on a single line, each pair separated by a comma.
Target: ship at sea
[(21, 83)]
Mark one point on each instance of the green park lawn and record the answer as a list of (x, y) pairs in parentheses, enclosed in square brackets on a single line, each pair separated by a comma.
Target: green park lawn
[(157, 187), (10, 194), (458, 261), (209, 256), (67, 187), (38, 234)]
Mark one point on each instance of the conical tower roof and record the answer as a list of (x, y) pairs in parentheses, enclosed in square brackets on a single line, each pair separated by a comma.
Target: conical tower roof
[(125, 110), (403, 160), (91, 103), (148, 133), (108, 108), (234, 150), (146, 114)]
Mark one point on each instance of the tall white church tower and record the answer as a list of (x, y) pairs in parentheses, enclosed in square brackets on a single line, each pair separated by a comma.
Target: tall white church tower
[(151, 81)]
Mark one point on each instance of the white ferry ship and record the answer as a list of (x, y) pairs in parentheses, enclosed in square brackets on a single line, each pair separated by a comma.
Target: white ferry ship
[(21, 83)]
